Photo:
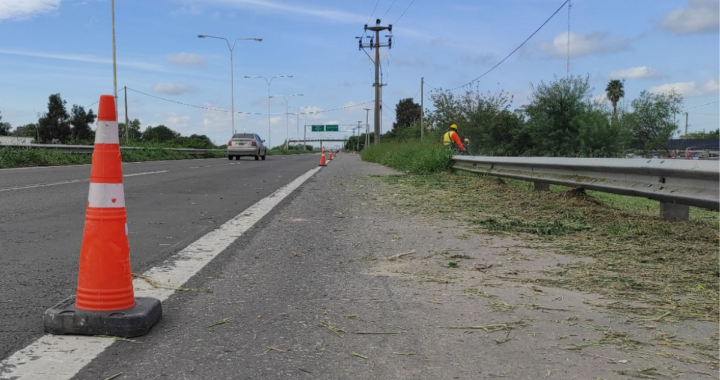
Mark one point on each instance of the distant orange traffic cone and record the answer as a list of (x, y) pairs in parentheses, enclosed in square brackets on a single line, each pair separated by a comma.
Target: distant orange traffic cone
[(104, 277), (336, 153), (322, 158), (329, 155)]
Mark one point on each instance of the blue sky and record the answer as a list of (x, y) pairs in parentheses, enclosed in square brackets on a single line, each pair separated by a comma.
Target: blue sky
[(176, 79)]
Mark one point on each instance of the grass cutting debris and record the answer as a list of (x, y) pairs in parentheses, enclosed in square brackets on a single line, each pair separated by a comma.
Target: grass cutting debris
[(220, 322), (633, 256)]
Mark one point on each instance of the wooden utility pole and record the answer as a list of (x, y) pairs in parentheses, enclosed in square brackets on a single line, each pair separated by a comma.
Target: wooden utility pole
[(375, 44)]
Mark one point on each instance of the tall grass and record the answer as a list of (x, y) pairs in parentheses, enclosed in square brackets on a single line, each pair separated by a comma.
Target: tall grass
[(415, 156)]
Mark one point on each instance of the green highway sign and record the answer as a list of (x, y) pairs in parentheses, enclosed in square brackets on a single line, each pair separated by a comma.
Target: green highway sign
[(325, 128)]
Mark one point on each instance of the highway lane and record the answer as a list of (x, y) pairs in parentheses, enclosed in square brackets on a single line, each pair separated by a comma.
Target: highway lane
[(169, 203)]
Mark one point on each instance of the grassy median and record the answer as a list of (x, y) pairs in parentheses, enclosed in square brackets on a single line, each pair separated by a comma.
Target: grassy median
[(11, 157)]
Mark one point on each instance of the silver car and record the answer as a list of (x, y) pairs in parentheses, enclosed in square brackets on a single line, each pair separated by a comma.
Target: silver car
[(246, 144)]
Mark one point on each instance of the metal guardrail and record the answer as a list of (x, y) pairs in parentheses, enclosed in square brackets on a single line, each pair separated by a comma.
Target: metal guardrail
[(88, 149), (675, 183)]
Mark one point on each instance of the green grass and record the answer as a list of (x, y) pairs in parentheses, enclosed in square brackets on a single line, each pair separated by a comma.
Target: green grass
[(415, 156), (11, 157)]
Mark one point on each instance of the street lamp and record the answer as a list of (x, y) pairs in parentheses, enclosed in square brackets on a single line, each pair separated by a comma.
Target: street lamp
[(287, 117), (268, 83), (232, 82)]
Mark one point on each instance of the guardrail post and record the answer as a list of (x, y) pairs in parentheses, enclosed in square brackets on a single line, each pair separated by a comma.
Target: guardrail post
[(542, 186), (674, 211)]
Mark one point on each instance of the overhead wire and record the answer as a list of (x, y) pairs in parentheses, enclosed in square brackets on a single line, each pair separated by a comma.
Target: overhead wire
[(388, 10), (246, 113), (516, 49), (702, 105), (373, 12), (402, 14)]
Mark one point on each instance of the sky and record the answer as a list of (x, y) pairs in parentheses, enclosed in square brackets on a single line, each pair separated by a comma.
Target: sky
[(184, 82)]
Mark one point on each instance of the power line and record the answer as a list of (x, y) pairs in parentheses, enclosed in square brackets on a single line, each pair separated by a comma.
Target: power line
[(246, 113), (516, 49), (373, 12), (388, 10), (390, 109), (408, 7), (702, 105)]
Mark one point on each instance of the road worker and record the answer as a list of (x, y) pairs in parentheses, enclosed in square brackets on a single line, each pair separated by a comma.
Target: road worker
[(451, 138)]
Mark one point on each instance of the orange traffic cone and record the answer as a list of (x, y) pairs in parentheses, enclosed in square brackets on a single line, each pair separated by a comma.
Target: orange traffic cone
[(104, 278), (329, 155), (322, 158), (335, 153)]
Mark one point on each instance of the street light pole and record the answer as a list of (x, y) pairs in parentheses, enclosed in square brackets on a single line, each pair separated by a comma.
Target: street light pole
[(287, 114), (112, 5), (232, 80), (269, 82)]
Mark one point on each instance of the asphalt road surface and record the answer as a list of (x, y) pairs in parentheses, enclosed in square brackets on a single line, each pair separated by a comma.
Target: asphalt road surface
[(170, 204)]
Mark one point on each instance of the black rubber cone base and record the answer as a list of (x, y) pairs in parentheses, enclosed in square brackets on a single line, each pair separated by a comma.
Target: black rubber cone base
[(65, 318)]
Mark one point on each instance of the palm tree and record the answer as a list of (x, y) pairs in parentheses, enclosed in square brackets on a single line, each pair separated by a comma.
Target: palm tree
[(614, 91)]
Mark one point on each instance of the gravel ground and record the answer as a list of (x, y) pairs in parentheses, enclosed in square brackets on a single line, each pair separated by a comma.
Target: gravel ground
[(336, 284)]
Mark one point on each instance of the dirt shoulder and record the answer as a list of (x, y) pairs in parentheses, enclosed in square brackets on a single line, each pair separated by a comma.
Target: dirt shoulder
[(483, 309)]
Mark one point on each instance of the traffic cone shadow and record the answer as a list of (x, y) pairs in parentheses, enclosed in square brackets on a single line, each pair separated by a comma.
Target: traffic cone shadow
[(104, 303)]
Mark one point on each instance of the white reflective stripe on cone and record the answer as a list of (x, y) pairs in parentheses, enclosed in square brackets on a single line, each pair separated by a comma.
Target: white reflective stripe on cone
[(106, 195), (107, 132)]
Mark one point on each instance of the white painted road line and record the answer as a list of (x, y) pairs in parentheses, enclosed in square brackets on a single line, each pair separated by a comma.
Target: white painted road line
[(62, 357), (71, 181)]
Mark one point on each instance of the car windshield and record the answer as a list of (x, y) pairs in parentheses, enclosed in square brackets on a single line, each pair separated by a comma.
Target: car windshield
[(243, 136)]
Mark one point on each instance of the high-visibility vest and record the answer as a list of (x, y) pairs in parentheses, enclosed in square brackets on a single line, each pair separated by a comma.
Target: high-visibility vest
[(447, 138)]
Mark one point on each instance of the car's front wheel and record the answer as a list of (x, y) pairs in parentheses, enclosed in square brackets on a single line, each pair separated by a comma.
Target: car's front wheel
[(230, 158), (257, 157)]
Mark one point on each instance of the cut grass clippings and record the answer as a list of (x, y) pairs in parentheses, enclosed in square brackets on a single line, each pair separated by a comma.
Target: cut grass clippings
[(670, 266)]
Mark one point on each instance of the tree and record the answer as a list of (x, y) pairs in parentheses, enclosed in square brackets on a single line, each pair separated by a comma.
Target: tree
[(651, 122), (28, 130), (564, 122), (614, 91), (703, 135), (80, 120), (4, 128), (134, 132), (53, 125), (407, 113), (159, 134)]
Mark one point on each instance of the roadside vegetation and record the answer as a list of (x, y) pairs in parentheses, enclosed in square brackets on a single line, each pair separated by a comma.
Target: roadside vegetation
[(653, 269), (11, 157), (74, 127)]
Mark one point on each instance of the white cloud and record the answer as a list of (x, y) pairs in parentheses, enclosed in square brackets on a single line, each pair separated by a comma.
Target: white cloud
[(25, 9), (701, 16), (331, 15), (712, 85), (583, 45), (185, 59), (172, 88), (640, 72), (84, 58), (689, 89)]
